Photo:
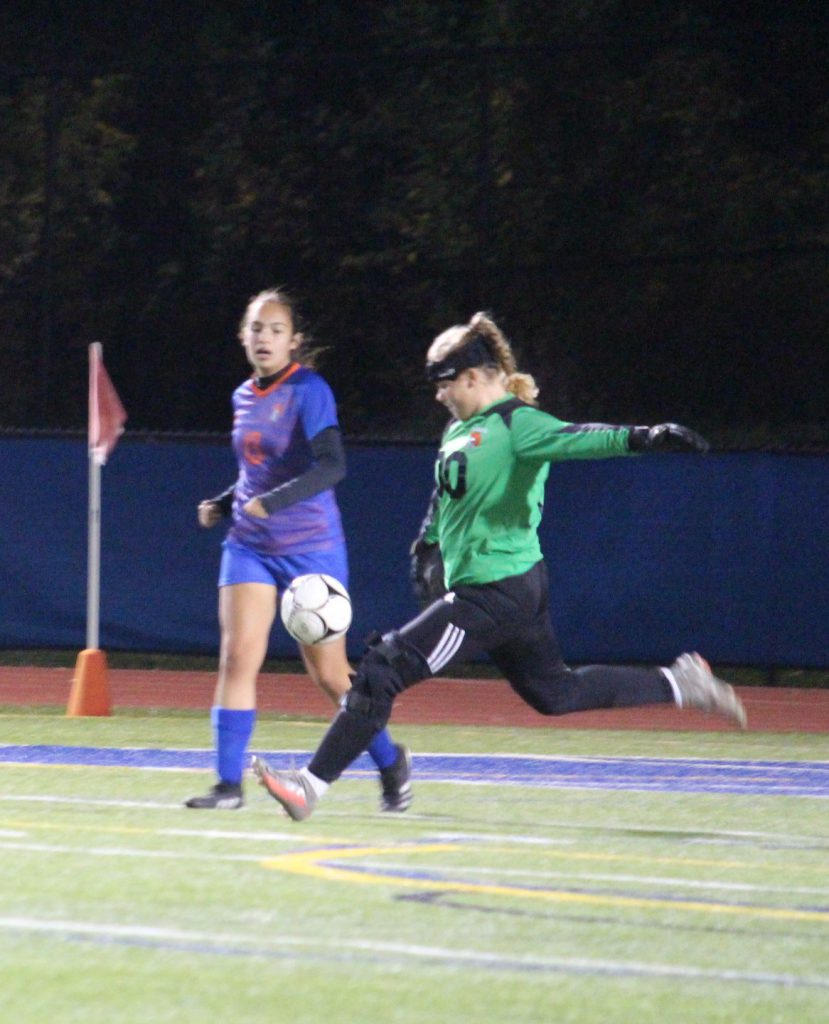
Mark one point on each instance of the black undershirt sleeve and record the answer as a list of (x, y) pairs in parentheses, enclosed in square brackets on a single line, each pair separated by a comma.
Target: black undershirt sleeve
[(328, 469), (225, 501)]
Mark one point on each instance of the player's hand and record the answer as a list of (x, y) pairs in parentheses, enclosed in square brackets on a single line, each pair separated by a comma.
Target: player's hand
[(209, 513), (426, 572), (666, 437), (255, 508)]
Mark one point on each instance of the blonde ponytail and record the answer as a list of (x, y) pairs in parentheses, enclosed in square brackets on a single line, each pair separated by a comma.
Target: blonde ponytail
[(522, 385)]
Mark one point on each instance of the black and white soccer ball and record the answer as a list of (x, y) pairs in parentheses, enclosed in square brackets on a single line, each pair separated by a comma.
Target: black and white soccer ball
[(316, 609)]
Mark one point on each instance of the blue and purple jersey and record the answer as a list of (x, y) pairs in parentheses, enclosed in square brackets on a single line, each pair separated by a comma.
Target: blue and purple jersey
[(272, 431)]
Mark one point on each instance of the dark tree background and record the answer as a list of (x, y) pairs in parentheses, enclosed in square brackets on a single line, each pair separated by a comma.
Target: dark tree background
[(638, 191)]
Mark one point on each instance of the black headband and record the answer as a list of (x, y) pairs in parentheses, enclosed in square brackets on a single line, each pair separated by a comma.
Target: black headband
[(476, 353)]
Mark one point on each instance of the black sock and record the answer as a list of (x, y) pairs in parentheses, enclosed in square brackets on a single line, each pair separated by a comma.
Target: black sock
[(347, 737)]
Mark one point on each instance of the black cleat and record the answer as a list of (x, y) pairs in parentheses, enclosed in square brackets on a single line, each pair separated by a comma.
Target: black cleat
[(396, 782), (224, 796)]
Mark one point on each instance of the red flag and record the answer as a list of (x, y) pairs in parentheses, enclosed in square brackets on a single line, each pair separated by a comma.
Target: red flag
[(106, 414)]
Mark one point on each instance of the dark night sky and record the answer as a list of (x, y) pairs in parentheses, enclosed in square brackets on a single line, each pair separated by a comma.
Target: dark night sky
[(638, 191)]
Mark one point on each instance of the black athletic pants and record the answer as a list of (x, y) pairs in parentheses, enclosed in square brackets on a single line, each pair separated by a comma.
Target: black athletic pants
[(510, 621)]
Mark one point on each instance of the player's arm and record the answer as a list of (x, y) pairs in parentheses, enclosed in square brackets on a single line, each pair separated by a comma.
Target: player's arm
[(539, 436), (213, 510), (326, 470)]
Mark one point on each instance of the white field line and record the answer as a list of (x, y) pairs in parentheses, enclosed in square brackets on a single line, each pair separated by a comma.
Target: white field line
[(217, 943), (694, 835), (447, 871), (41, 798), (552, 783), (201, 833), (384, 867), (788, 840), (489, 837), (126, 851)]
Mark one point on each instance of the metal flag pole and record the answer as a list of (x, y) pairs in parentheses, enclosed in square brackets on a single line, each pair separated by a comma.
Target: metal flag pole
[(93, 576)]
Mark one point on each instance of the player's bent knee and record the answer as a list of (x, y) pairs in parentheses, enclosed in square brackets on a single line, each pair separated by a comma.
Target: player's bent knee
[(408, 665), (372, 692), (389, 666), (549, 704), (552, 695)]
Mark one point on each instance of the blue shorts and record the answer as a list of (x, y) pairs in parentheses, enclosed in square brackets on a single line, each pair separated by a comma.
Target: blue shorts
[(242, 565)]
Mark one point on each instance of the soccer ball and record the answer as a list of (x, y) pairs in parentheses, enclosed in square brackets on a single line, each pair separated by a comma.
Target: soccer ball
[(316, 609)]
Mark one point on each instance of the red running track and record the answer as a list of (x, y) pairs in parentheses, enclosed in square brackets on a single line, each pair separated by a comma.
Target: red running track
[(433, 702)]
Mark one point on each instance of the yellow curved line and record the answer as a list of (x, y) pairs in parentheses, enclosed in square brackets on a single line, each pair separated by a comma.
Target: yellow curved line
[(311, 863)]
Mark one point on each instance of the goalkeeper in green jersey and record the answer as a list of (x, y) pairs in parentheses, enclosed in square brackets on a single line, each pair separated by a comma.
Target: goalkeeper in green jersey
[(492, 595)]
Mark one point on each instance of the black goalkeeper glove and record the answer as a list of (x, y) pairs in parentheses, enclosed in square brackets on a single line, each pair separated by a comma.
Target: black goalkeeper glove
[(666, 437), (426, 572)]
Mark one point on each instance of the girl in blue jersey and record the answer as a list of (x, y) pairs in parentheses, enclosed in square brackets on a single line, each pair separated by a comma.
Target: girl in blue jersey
[(285, 522)]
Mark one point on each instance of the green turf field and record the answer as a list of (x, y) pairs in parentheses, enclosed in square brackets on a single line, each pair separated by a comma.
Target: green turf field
[(486, 903)]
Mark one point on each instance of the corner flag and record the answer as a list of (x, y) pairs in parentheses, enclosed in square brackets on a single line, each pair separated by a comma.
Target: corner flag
[(90, 686), (107, 415)]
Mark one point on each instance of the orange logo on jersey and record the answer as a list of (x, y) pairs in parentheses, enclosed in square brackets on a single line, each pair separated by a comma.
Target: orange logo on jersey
[(252, 447), (475, 439)]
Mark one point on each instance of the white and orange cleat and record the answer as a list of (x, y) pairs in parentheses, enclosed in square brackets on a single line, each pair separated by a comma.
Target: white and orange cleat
[(289, 788)]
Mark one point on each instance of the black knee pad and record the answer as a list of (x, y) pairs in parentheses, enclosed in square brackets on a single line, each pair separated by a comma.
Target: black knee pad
[(372, 691), (389, 667), (408, 665)]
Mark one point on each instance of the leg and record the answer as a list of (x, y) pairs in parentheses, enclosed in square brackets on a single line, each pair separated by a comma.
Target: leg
[(246, 614), (531, 661), (447, 630), (327, 665), (554, 689), (551, 688)]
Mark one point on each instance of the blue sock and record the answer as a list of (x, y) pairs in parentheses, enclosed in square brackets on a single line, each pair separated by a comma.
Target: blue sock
[(232, 731), (382, 750)]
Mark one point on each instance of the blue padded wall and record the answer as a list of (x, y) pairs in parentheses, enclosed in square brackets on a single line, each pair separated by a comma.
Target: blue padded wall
[(650, 556)]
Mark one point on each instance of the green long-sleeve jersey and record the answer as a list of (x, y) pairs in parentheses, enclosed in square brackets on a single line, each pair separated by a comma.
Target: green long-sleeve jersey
[(490, 476)]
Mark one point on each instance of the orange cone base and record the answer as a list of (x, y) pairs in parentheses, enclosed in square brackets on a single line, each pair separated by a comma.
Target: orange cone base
[(90, 686)]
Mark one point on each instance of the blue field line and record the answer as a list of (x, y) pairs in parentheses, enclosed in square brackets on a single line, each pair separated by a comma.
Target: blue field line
[(685, 775)]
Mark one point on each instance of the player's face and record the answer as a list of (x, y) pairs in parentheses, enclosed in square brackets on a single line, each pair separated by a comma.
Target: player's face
[(458, 395), (268, 337)]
